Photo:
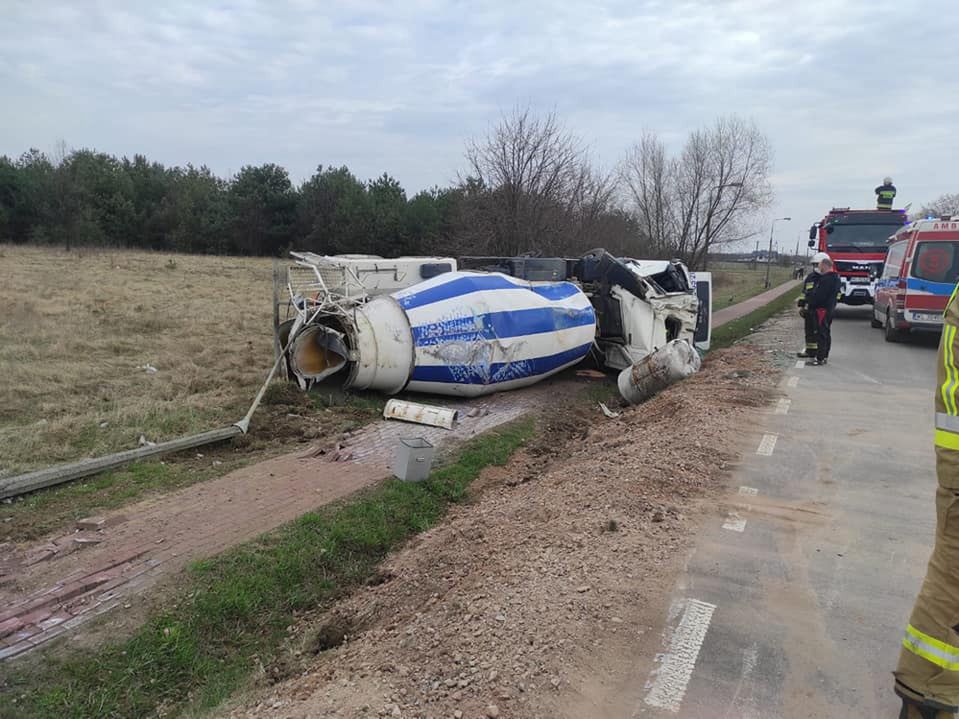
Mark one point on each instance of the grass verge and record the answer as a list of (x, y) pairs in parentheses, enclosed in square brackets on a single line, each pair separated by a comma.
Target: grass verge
[(735, 282), (232, 611), (737, 329)]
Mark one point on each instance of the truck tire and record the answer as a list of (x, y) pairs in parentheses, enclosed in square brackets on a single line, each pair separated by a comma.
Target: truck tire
[(874, 323), (891, 334)]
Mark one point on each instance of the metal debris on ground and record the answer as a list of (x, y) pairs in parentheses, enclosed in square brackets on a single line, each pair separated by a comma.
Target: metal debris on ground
[(608, 412), (417, 413), (590, 374)]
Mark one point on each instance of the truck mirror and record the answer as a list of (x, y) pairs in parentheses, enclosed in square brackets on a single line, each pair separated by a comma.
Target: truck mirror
[(812, 243), (812, 233)]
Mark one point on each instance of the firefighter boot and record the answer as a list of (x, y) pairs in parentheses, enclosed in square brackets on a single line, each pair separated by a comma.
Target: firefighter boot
[(914, 706), (911, 710)]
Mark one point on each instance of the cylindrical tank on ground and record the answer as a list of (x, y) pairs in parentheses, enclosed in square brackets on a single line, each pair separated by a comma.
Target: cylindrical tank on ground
[(672, 362)]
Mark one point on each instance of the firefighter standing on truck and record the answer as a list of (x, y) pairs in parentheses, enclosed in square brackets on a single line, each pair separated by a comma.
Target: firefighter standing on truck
[(885, 194), (822, 305), (927, 678), (809, 319)]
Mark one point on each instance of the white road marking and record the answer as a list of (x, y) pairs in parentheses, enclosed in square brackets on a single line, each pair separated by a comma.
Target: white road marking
[(749, 491), (743, 703), (767, 445), (734, 522), (677, 664), (793, 381), (783, 406), (800, 364)]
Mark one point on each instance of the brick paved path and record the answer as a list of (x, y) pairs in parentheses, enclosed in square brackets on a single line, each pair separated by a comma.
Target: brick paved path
[(57, 585), (741, 309)]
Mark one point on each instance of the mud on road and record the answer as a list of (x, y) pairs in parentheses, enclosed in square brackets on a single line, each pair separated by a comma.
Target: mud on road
[(530, 599)]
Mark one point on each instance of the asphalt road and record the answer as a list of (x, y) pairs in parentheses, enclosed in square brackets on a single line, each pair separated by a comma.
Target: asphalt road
[(799, 589)]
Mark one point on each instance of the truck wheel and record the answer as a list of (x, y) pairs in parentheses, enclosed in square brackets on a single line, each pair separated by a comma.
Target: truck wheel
[(892, 334)]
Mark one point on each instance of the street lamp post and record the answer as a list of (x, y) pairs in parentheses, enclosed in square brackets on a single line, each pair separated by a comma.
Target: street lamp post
[(770, 254), (709, 213)]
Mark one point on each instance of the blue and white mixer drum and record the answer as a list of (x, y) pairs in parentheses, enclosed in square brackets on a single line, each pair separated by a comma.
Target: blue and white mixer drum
[(460, 333)]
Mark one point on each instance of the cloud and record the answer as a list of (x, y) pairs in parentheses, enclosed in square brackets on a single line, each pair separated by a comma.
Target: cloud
[(848, 91)]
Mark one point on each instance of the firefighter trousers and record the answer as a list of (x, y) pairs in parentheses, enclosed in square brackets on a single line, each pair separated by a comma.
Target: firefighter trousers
[(928, 668), (823, 322), (811, 332)]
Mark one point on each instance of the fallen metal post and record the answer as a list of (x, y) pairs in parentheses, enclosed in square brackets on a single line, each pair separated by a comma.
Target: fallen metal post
[(51, 476)]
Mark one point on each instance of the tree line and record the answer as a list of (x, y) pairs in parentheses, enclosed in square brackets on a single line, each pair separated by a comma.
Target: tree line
[(529, 186)]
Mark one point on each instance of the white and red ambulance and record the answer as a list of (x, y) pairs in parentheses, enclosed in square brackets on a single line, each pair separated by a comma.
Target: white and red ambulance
[(920, 274)]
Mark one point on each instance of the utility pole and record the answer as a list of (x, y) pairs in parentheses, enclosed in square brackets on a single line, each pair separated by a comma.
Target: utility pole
[(769, 256)]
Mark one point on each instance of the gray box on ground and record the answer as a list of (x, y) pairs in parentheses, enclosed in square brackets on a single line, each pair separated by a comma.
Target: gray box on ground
[(414, 458)]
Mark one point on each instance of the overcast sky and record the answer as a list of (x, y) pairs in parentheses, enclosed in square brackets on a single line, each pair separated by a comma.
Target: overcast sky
[(846, 91)]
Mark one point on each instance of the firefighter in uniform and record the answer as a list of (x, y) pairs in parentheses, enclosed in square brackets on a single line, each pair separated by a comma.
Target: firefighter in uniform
[(809, 319), (822, 305), (885, 194), (927, 678)]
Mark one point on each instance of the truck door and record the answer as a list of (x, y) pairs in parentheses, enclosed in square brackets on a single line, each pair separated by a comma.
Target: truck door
[(888, 284), (703, 283)]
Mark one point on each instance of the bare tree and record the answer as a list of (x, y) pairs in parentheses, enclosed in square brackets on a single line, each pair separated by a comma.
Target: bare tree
[(707, 196), (530, 187), (947, 204), (646, 175)]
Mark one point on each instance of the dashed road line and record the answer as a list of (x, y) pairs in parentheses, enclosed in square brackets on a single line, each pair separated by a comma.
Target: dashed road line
[(783, 406), (677, 664), (767, 445), (734, 523), (793, 381), (800, 364)]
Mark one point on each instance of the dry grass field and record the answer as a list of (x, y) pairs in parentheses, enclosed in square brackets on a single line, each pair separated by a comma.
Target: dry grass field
[(76, 331), (78, 328)]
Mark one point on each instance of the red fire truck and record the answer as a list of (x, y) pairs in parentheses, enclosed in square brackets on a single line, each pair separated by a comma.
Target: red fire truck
[(856, 240)]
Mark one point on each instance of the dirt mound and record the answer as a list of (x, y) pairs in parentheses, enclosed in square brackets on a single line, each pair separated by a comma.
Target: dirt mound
[(498, 611)]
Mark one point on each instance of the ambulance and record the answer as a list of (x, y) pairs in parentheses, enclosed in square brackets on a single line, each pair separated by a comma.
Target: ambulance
[(919, 276)]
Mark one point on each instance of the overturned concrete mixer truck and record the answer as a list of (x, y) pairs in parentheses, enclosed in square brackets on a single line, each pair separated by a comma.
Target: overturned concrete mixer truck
[(480, 324)]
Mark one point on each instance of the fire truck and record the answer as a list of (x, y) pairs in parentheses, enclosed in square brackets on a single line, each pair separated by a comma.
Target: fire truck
[(856, 240)]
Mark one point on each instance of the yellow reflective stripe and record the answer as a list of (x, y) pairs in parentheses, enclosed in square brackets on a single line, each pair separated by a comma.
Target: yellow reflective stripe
[(947, 440), (951, 298), (952, 374), (931, 649)]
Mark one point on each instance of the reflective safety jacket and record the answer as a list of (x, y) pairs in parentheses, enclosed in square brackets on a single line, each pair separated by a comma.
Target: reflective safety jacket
[(885, 194), (947, 398), (808, 288)]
